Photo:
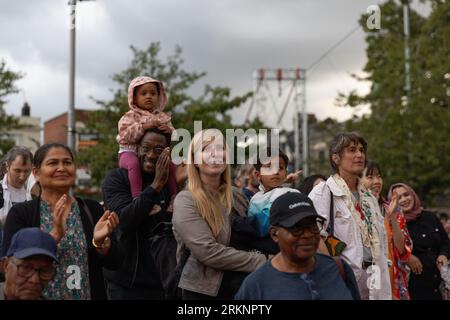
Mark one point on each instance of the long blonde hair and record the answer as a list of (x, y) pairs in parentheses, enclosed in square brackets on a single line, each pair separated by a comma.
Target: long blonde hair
[(206, 200)]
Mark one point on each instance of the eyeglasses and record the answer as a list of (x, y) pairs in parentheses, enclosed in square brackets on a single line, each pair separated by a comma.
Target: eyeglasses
[(157, 150), (26, 271), (299, 229)]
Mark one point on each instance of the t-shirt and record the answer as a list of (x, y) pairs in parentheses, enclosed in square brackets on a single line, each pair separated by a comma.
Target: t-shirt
[(17, 195), (323, 283)]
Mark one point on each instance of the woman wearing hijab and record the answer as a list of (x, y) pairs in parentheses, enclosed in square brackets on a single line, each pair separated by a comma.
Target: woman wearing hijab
[(431, 246)]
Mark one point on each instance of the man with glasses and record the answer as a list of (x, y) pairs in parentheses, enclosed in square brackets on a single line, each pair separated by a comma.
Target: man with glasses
[(139, 276), (28, 265), (298, 272)]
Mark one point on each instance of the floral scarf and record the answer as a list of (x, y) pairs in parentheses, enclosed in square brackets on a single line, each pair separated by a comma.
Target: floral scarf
[(363, 216)]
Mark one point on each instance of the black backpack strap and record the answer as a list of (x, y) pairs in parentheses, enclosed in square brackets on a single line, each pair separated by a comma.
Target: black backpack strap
[(185, 253), (1, 195), (88, 211), (330, 228)]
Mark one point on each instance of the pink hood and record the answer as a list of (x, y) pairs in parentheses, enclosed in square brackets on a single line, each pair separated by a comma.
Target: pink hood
[(140, 81)]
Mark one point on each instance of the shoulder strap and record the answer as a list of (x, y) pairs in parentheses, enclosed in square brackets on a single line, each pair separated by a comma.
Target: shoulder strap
[(340, 266), (87, 210), (185, 253), (330, 228), (1, 195)]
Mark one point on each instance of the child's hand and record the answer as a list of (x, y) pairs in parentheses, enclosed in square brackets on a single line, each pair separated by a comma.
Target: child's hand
[(293, 177), (154, 123), (164, 128)]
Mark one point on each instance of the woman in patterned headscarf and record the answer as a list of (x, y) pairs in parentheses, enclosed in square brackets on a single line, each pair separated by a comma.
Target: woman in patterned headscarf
[(430, 244)]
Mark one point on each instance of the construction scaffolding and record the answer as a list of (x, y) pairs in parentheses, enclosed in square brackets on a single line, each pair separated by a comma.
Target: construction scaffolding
[(295, 80)]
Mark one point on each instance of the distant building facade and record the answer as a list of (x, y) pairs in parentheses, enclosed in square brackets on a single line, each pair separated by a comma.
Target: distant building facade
[(29, 135)]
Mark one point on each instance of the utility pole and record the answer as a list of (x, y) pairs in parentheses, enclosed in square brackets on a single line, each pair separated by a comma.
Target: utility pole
[(305, 140), (71, 130), (71, 111)]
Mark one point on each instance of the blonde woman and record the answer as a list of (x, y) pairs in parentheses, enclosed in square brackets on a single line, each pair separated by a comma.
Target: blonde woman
[(201, 222)]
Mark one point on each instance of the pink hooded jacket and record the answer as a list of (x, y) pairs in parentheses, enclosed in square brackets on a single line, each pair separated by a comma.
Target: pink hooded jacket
[(130, 125)]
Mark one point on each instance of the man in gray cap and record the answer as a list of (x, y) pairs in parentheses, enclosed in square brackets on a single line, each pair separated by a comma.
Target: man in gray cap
[(298, 272), (28, 265)]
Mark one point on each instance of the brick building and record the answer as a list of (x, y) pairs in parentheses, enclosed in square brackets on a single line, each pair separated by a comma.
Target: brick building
[(55, 129)]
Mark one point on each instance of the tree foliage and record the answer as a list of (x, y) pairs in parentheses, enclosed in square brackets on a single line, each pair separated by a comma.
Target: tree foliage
[(408, 132), (8, 79), (211, 107)]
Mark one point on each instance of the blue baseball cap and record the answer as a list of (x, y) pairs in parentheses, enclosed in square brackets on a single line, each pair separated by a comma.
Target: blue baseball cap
[(29, 242)]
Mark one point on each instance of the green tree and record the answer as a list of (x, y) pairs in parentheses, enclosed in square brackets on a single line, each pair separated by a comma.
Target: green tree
[(407, 132), (211, 107), (7, 122)]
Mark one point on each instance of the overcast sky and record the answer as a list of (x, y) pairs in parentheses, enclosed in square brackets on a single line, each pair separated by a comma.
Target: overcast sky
[(228, 39)]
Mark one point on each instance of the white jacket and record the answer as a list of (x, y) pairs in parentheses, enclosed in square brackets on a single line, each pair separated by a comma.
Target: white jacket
[(347, 230), (7, 199)]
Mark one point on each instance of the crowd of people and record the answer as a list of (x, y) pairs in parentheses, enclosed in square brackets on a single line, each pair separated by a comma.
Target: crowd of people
[(199, 232)]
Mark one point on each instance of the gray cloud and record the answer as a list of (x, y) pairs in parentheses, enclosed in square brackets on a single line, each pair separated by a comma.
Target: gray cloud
[(228, 39)]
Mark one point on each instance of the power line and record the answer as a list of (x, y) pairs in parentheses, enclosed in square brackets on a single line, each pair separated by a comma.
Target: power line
[(332, 48)]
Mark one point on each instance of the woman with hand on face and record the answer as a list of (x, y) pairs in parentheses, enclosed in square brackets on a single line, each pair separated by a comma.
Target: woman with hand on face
[(431, 246), (399, 241), (80, 227)]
